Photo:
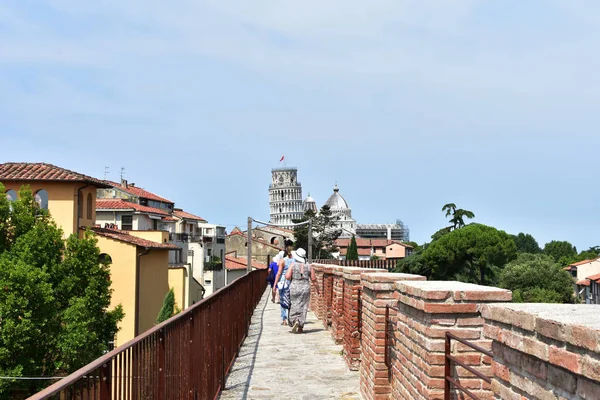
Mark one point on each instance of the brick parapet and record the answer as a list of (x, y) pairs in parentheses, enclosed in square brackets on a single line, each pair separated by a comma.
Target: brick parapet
[(544, 351), (378, 317), (337, 307), (327, 301), (425, 312), (352, 313)]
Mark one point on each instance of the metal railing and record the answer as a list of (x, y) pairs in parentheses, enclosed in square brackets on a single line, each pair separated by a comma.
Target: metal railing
[(449, 381), (187, 356), (185, 237)]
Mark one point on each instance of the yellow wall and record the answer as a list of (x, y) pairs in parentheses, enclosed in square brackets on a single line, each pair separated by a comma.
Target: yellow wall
[(122, 274), (177, 278), (154, 236), (154, 285), (62, 202)]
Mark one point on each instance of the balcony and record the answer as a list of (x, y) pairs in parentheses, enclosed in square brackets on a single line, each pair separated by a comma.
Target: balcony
[(185, 237)]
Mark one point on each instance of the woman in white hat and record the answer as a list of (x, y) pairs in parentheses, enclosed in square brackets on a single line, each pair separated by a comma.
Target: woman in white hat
[(299, 274)]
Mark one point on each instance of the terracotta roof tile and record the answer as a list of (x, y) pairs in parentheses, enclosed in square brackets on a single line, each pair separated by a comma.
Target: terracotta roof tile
[(124, 236), (362, 251), (137, 191), (239, 263), (44, 172), (595, 278), (168, 219), (581, 263), (583, 282), (120, 204), (187, 215)]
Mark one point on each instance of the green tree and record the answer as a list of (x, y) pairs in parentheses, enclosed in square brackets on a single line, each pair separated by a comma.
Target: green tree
[(352, 253), (324, 231), (537, 278), (558, 249), (526, 243), (168, 308), (54, 298), (413, 264), (474, 254), (457, 220)]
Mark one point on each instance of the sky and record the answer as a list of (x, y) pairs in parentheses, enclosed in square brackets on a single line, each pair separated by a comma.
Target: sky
[(406, 104)]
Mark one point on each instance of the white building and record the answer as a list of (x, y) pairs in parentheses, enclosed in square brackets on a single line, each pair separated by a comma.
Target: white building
[(342, 212), (310, 204), (285, 196)]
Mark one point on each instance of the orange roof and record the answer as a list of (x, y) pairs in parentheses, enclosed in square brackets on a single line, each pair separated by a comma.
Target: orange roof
[(240, 263), (360, 242), (182, 214), (360, 250), (581, 263), (120, 204), (136, 191), (168, 219), (583, 282), (124, 236), (44, 172), (595, 278)]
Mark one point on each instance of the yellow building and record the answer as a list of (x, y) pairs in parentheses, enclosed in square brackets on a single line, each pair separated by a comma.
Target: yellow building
[(140, 276), (139, 260), (69, 196)]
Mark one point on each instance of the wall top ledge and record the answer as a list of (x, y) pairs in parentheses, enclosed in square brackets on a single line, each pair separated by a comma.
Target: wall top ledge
[(391, 277), (583, 315), (459, 291)]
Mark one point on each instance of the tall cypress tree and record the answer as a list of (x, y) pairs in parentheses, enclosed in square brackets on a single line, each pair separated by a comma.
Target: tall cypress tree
[(352, 253), (168, 307)]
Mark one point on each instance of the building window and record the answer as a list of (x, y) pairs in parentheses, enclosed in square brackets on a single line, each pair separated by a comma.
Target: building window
[(89, 206), (155, 224), (11, 195), (41, 197), (104, 259), (127, 222), (209, 252)]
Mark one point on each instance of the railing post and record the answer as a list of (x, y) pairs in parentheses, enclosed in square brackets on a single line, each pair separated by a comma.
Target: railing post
[(447, 371), (105, 381), (161, 364), (191, 355)]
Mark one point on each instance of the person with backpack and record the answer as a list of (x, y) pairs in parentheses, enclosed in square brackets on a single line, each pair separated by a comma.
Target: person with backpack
[(273, 269)]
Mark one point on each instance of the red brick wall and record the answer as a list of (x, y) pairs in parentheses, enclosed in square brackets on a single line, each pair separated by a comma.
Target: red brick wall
[(544, 351), (352, 313), (327, 303), (426, 310), (337, 309), (378, 294)]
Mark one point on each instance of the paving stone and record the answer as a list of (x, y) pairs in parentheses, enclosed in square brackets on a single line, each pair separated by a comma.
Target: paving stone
[(275, 363)]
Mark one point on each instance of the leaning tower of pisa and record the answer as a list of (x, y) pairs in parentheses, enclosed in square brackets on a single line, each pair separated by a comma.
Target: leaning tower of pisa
[(285, 196)]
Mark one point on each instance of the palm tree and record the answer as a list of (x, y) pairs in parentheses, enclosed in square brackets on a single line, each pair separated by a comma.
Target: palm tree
[(458, 215)]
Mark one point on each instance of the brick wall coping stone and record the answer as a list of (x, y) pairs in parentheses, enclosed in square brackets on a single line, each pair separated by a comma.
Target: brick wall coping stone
[(387, 281), (354, 273), (338, 270), (576, 324), (452, 291)]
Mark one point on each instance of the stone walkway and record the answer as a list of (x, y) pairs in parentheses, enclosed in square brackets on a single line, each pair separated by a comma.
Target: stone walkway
[(276, 364)]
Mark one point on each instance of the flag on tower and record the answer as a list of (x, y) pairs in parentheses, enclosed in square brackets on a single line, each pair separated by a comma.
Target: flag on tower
[(282, 157)]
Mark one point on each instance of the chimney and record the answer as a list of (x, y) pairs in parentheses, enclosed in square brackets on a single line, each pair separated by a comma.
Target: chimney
[(132, 184), (124, 182), (389, 233)]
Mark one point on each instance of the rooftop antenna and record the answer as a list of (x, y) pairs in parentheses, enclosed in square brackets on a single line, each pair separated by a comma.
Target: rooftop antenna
[(106, 172), (122, 173)]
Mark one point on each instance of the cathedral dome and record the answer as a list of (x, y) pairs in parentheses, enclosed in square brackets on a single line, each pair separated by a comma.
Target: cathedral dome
[(310, 204), (336, 201)]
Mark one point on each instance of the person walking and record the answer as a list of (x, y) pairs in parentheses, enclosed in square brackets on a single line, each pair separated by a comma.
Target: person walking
[(299, 274), (283, 284), (273, 269)]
